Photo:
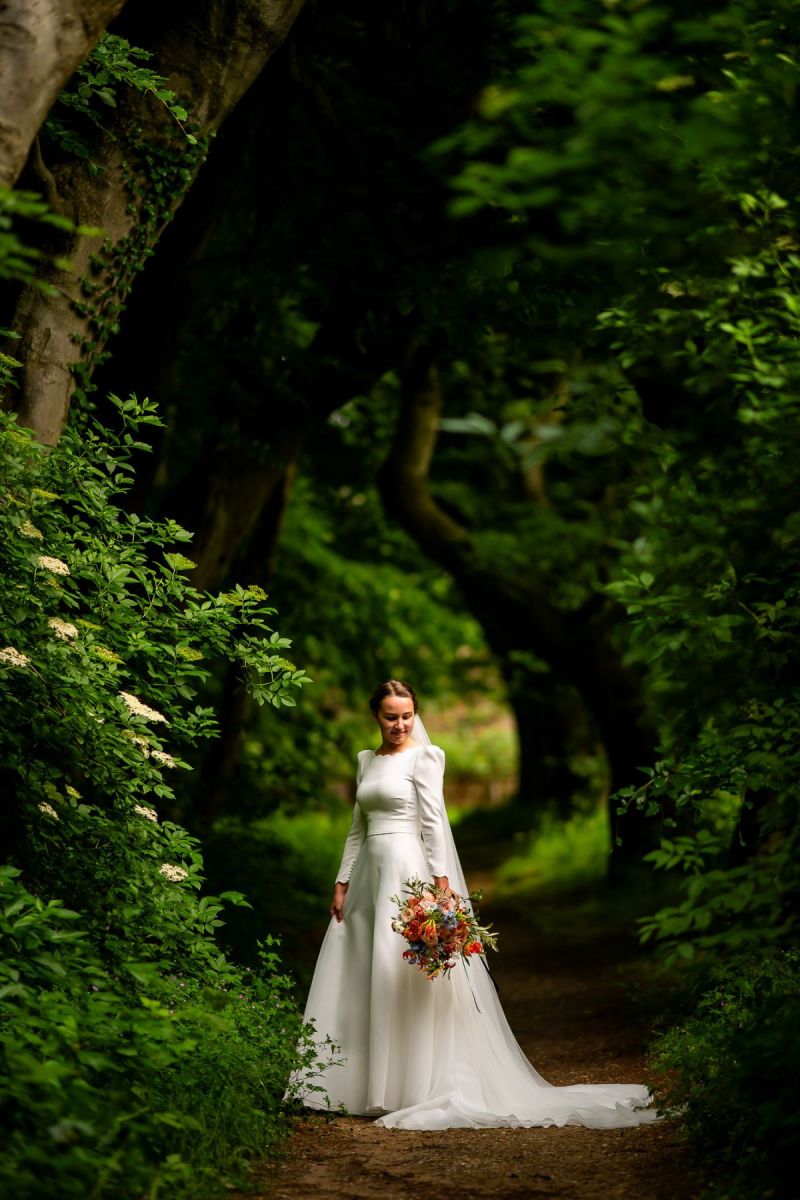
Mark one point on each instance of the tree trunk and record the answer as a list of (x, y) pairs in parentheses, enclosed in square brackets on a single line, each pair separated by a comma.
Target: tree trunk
[(41, 44), (210, 52), (550, 730), (237, 707)]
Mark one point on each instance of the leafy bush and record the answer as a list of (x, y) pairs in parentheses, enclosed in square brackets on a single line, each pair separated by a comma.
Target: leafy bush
[(303, 851), (645, 159), (118, 1078), (725, 907), (135, 1054), (731, 1069)]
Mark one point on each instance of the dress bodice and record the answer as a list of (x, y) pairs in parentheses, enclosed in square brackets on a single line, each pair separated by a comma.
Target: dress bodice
[(385, 792), (398, 793)]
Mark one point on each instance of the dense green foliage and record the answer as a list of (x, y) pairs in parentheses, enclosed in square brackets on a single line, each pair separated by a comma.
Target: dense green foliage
[(135, 1055), (646, 159), (730, 1067)]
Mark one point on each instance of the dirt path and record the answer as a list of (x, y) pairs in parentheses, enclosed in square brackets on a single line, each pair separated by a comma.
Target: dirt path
[(564, 985)]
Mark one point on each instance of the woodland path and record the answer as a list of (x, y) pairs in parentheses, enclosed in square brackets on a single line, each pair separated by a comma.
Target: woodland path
[(576, 995)]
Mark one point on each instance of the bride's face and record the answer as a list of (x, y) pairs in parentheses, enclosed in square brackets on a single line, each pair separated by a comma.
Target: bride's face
[(395, 718)]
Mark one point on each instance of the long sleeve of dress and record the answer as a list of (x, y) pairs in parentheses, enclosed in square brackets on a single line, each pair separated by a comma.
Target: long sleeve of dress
[(429, 782), (355, 838)]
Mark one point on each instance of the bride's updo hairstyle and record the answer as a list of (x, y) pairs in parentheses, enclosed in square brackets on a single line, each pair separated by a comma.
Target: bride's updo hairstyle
[(392, 687)]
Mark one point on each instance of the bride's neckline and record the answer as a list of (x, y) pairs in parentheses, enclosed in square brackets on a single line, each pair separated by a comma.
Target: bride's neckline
[(397, 753)]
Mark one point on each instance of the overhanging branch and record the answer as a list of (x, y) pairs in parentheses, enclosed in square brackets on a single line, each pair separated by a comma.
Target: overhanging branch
[(404, 479)]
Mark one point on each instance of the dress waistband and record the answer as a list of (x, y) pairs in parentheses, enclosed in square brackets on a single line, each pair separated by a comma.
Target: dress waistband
[(385, 824)]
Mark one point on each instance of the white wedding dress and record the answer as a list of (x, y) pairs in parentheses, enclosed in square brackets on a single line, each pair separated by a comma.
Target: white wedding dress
[(422, 1054)]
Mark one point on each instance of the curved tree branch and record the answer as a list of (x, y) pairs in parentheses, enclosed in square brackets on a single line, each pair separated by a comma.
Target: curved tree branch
[(514, 610), (404, 478), (404, 482), (41, 44)]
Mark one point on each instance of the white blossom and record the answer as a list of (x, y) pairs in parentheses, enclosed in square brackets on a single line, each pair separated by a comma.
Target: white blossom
[(139, 709), (14, 658), (29, 530), (49, 810), (63, 629), (139, 741), (106, 654), (52, 564), (172, 873), (162, 757), (149, 813)]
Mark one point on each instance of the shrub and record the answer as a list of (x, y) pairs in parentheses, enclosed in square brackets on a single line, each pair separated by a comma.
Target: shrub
[(303, 851), (135, 1055), (731, 1067)]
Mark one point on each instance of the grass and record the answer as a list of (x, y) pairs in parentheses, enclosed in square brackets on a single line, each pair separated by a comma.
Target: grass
[(557, 855)]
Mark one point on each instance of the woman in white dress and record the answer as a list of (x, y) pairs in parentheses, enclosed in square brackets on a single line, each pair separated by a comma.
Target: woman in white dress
[(416, 1053)]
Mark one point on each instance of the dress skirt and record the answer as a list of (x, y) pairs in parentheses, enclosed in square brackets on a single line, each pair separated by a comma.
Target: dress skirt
[(429, 1054)]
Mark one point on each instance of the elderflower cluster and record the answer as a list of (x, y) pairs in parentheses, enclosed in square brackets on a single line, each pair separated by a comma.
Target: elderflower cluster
[(139, 709), (172, 873), (49, 811), (106, 654), (162, 757), (52, 564), (63, 629), (188, 653), (29, 530), (139, 741), (13, 658), (142, 743), (149, 814)]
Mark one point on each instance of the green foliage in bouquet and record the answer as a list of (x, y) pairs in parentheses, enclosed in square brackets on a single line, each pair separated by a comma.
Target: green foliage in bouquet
[(133, 1054)]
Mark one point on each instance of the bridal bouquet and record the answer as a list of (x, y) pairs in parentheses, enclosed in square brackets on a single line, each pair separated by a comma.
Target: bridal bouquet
[(439, 928)]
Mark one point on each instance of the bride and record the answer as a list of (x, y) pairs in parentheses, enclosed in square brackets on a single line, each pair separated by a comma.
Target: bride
[(415, 1053)]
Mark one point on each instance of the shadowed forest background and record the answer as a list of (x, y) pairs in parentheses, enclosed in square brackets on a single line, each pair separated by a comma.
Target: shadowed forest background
[(451, 342)]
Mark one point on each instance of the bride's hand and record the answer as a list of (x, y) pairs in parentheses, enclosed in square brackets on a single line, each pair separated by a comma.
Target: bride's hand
[(337, 907)]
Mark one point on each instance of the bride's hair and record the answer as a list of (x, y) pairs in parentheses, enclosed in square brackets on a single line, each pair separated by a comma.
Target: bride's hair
[(392, 687)]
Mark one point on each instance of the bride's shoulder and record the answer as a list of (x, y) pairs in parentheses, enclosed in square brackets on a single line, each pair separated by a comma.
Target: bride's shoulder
[(430, 752)]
